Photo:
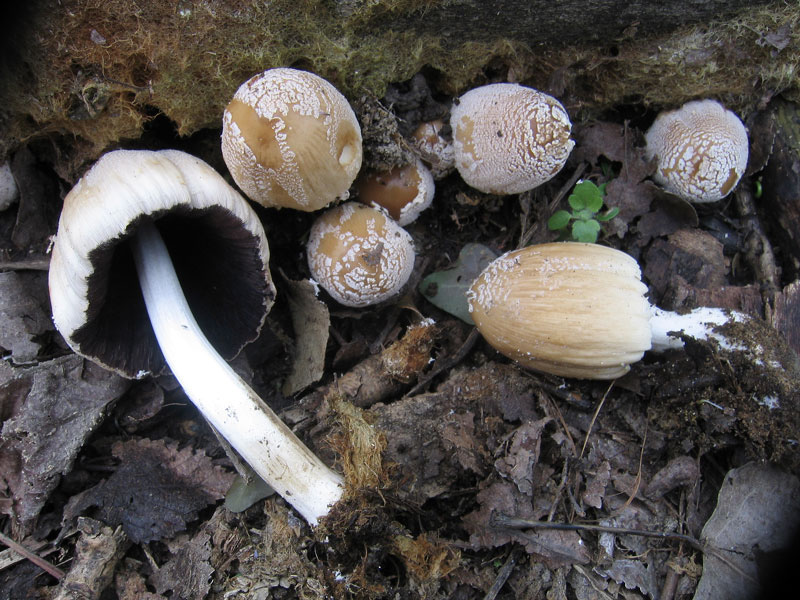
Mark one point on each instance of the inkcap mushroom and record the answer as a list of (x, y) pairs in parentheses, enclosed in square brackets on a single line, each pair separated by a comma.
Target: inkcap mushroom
[(701, 150), (290, 139), (113, 234), (434, 148), (359, 255), (578, 310), (508, 138), (404, 192)]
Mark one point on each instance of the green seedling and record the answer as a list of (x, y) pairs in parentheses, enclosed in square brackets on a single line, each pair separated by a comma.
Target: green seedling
[(586, 202)]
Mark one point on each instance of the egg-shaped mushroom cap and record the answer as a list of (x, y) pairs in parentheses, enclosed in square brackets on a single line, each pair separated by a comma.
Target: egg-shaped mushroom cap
[(290, 139), (359, 255), (566, 308), (215, 240), (509, 138), (701, 150)]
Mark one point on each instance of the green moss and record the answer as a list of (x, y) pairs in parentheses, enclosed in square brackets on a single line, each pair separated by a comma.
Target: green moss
[(100, 69)]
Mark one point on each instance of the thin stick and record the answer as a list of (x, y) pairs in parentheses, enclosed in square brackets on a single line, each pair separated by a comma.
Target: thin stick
[(503, 574), (34, 558), (502, 521)]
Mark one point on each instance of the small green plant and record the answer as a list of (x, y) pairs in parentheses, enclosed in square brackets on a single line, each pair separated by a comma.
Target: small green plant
[(586, 202)]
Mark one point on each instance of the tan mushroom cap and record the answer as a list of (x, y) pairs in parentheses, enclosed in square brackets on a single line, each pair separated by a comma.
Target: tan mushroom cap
[(404, 192), (359, 255), (216, 241), (290, 139), (701, 150), (508, 138), (568, 308)]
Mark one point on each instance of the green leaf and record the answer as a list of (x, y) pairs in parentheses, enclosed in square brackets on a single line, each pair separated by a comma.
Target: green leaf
[(585, 231), (608, 215), (595, 203), (576, 202), (559, 220), (447, 289)]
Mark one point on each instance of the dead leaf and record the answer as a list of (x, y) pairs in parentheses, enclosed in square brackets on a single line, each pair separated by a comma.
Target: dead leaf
[(596, 488), (523, 454), (155, 490), (51, 409), (187, 574), (758, 511), (311, 322), (22, 316)]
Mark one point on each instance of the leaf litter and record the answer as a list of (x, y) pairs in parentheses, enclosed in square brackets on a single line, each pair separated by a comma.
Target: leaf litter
[(437, 455)]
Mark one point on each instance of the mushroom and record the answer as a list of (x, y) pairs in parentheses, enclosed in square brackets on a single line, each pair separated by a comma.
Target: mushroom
[(508, 138), (579, 310), (117, 222), (359, 255), (434, 147), (404, 192), (701, 150), (290, 139)]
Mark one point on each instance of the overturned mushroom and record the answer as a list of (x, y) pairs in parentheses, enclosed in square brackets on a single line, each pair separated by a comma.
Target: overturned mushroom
[(579, 310), (290, 139), (117, 222), (701, 150), (508, 138)]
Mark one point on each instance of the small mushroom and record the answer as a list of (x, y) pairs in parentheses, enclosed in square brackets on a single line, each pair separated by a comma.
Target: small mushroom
[(359, 255), (404, 192), (434, 148), (508, 138), (113, 234), (290, 139), (701, 150), (578, 310)]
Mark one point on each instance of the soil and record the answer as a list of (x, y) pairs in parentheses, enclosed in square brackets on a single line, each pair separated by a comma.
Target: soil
[(456, 458)]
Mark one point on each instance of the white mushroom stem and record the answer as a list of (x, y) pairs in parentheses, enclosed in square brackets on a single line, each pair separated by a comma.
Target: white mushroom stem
[(667, 327), (229, 404)]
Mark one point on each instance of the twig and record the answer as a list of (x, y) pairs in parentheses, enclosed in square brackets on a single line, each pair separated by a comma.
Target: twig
[(594, 418), (503, 574), (502, 521), (445, 363), (34, 558)]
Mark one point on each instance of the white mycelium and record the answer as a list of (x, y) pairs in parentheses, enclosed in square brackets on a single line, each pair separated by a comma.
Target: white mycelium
[(701, 150), (359, 255), (290, 139), (508, 138)]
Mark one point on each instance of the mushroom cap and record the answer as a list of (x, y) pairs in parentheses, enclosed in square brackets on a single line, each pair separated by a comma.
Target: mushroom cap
[(404, 192), (435, 148), (216, 243), (701, 150), (359, 255), (567, 308), (290, 139), (508, 138)]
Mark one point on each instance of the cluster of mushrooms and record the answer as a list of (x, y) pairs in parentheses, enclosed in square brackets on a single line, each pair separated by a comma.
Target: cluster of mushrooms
[(139, 220)]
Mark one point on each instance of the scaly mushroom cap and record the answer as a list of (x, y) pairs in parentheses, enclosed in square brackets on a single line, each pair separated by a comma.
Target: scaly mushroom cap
[(701, 150), (404, 191), (435, 148), (215, 240), (359, 255), (291, 140), (508, 138), (571, 309)]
